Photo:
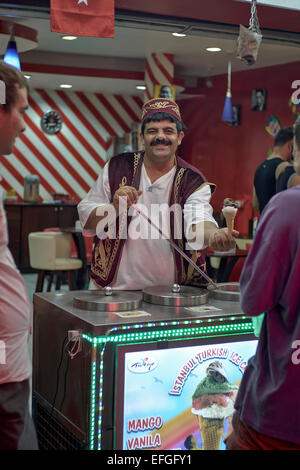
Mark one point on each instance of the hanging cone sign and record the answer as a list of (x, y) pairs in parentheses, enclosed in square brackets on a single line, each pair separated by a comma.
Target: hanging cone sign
[(249, 39), (228, 110)]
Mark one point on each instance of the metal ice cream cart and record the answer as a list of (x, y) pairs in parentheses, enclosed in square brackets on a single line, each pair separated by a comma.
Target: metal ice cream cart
[(117, 369)]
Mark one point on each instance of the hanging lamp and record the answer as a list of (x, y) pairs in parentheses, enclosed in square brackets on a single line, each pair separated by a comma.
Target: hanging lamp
[(228, 110), (11, 56)]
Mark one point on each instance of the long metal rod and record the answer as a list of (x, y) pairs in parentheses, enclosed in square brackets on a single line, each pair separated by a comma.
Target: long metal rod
[(186, 257)]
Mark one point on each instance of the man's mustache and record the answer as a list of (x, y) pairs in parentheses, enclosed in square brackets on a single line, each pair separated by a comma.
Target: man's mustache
[(160, 142)]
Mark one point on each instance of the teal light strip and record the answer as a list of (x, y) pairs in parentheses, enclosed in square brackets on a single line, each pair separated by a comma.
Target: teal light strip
[(171, 333), (100, 397), (93, 402)]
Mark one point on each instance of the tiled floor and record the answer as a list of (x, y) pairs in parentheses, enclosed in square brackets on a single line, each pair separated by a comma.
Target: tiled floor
[(30, 282)]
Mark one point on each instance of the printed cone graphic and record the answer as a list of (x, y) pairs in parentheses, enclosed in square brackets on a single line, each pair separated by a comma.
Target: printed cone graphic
[(213, 402), (211, 432)]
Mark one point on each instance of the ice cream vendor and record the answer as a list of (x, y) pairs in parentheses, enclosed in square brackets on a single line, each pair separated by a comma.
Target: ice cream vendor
[(129, 253)]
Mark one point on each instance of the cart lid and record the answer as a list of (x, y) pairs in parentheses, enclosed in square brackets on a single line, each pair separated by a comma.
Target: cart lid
[(175, 296)]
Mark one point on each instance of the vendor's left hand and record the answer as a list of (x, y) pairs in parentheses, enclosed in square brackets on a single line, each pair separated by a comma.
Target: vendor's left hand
[(221, 240)]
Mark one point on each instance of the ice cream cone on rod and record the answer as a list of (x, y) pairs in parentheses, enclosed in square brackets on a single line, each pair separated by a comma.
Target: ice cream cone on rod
[(229, 213)]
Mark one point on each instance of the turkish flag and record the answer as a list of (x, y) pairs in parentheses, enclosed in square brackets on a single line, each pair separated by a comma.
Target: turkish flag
[(94, 18)]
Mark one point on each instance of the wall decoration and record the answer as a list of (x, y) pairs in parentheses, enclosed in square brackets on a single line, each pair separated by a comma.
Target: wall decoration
[(259, 100), (164, 91), (249, 39), (51, 122), (295, 108), (236, 115), (273, 126)]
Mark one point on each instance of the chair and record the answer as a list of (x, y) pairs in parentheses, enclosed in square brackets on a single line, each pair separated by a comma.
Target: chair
[(88, 241), (50, 252), (56, 229)]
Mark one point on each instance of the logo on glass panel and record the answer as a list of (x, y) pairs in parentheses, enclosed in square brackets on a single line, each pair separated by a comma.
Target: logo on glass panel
[(142, 365)]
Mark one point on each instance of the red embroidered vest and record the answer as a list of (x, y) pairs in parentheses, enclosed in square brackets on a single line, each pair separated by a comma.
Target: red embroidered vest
[(124, 170)]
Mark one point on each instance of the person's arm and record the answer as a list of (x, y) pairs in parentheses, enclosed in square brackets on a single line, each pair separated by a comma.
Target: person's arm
[(123, 198), (201, 229), (99, 210), (97, 215), (255, 203), (267, 265), (294, 180), (219, 239), (280, 168)]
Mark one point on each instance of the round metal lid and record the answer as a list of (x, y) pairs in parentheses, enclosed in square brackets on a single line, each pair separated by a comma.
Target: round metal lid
[(225, 291), (107, 300), (175, 296)]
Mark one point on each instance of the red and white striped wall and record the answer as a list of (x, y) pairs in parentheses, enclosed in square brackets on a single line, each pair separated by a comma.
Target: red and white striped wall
[(69, 161), (159, 70)]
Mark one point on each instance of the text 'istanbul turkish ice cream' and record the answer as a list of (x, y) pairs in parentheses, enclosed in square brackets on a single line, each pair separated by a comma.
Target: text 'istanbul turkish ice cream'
[(213, 401)]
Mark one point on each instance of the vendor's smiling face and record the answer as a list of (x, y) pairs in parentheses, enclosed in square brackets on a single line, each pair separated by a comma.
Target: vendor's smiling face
[(161, 140)]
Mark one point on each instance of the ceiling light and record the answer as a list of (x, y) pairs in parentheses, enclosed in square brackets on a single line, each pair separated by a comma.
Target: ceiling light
[(140, 87), (183, 32), (179, 35), (213, 49), (65, 85), (69, 38)]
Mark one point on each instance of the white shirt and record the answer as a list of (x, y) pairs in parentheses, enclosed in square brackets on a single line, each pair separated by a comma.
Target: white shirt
[(147, 257), (15, 315)]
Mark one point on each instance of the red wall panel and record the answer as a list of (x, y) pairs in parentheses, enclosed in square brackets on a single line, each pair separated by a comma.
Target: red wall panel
[(228, 156)]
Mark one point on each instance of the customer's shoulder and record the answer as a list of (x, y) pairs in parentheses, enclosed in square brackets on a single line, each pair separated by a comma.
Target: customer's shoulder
[(291, 193), (289, 199)]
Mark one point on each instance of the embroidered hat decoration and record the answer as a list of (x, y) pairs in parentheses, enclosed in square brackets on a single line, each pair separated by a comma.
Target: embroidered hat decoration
[(160, 105)]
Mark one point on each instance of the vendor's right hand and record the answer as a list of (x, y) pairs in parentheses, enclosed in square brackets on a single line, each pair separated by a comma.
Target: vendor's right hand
[(128, 194)]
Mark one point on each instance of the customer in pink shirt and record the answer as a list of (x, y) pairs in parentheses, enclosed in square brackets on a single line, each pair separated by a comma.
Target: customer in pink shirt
[(16, 427)]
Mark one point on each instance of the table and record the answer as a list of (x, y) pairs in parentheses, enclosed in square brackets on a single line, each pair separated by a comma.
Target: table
[(227, 263)]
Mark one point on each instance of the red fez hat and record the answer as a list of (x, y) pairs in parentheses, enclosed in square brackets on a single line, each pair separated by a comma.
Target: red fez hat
[(160, 105)]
